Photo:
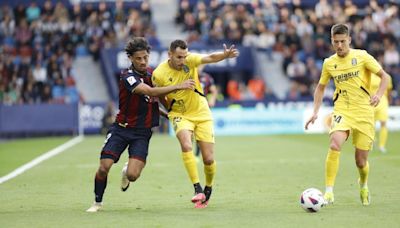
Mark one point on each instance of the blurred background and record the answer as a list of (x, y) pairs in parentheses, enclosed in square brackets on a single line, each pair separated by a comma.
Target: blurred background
[(60, 60)]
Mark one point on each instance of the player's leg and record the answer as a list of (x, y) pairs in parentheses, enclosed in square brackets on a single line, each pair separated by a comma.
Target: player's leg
[(383, 135), (114, 145), (204, 135), (363, 144), (189, 161), (210, 168), (100, 183), (138, 151), (337, 138), (381, 115)]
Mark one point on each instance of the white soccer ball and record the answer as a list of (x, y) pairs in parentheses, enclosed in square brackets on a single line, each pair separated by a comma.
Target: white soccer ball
[(311, 200)]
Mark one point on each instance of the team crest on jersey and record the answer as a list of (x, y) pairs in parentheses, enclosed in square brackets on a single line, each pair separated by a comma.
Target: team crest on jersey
[(335, 66), (131, 80), (170, 79), (185, 68), (353, 61)]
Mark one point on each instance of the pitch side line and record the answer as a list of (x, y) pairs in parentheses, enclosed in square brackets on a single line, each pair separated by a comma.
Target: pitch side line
[(41, 158)]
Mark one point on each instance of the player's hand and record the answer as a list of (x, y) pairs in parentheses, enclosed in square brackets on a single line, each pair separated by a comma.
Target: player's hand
[(311, 121), (188, 84), (230, 52), (375, 100)]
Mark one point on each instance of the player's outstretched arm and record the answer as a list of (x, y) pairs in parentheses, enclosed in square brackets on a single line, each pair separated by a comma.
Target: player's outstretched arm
[(214, 57), (318, 95), (382, 87), (143, 88)]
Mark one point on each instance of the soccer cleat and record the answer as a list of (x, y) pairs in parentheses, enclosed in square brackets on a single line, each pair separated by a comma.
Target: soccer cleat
[(198, 197), (382, 149), (201, 205), (124, 180), (364, 196), (329, 198), (95, 207)]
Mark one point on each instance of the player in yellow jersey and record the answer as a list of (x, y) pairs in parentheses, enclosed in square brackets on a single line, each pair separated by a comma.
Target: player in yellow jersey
[(353, 106), (189, 112), (381, 111)]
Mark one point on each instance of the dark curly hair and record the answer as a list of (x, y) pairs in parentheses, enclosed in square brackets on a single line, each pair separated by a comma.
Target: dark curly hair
[(137, 44)]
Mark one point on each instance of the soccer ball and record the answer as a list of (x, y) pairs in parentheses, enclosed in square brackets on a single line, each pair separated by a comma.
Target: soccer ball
[(311, 200)]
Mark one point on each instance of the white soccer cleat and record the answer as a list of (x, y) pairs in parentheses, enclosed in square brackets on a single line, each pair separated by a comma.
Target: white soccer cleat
[(95, 207), (124, 179)]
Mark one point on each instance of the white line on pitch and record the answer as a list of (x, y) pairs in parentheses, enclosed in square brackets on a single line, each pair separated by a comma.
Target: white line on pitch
[(41, 158)]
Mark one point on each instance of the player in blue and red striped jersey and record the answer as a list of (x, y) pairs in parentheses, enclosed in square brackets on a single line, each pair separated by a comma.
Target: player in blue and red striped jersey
[(138, 113)]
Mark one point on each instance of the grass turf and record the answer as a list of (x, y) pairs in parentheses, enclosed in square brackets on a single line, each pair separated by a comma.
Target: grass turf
[(258, 184)]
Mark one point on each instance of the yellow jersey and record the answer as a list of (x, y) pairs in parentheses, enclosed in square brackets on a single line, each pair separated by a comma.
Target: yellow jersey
[(189, 103), (352, 78)]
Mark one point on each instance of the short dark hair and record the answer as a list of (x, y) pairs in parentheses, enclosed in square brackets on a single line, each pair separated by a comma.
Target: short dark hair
[(340, 29), (177, 43), (137, 44)]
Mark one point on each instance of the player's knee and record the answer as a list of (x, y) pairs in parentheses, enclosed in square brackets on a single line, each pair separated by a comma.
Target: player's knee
[(103, 171), (208, 161), (187, 146), (132, 176), (335, 146), (361, 163)]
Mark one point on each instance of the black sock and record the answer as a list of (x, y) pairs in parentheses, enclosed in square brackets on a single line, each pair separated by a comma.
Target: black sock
[(100, 185), (207, 192), (197, 188)]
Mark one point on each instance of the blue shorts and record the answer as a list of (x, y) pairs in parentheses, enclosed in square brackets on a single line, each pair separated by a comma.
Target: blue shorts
[(119, 138)]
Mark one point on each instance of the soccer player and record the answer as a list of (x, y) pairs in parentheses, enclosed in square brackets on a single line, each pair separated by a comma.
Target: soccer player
[(211, 93), (189, 112), (353, 106), (138, 113), (381, 111)]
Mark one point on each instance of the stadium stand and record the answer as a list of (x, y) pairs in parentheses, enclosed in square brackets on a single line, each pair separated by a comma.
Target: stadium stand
[(298, 31)]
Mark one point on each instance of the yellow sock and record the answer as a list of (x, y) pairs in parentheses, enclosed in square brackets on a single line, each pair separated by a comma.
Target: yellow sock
[(364, 175), (331, 167), (209, 171), (191, 166), (383, 135)]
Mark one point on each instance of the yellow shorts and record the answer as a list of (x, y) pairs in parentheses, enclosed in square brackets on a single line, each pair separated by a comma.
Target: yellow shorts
[(381, 111), (362, 129), (203, 130)]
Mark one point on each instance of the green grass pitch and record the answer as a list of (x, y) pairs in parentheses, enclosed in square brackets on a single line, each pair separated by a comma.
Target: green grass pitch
[(258, 184)]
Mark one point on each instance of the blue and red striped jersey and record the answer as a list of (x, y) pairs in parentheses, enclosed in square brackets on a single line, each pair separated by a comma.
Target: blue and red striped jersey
[(206, 82), (136, 110)]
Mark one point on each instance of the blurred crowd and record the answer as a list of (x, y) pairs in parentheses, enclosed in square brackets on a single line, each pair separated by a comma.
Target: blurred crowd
[(38, 44), (297, 31)]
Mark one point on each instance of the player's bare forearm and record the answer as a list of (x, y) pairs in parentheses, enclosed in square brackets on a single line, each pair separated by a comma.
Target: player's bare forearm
[(142, 88), (375, 99), (318, 95), (384, 83), (230, 52)]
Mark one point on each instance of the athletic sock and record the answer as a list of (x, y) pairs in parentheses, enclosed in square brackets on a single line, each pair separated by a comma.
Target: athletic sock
[(383, 135), (364, 175), (331, 167), (209, 171), (191, 166), (100, 184)]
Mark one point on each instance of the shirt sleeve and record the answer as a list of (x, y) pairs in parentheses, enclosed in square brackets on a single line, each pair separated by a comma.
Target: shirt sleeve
[(371, 64), (131, 82), (194, 59), (156, 79), (325, 76)]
